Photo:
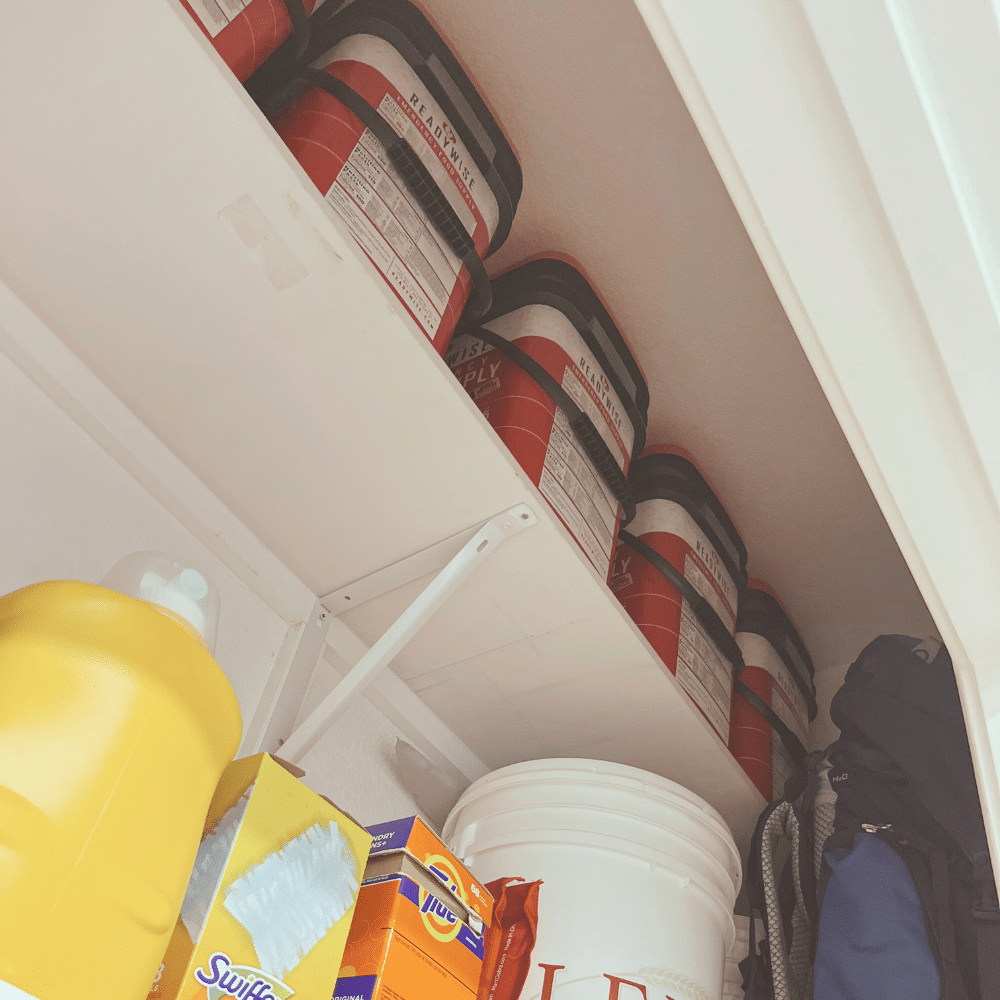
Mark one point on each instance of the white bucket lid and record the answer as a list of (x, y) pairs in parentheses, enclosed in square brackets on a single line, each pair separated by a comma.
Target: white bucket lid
[(610, 805)]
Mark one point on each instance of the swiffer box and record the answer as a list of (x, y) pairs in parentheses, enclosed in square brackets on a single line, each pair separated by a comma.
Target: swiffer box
[(272, 893), (418, 926)]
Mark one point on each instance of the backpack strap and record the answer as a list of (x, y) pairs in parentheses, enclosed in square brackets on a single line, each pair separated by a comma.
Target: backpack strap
[(716, 630), (791, 956), (582, 426), (936, 899), (875, 806), (788, 907), (418, 180), (986, 913), (924, 734), (756, 968)]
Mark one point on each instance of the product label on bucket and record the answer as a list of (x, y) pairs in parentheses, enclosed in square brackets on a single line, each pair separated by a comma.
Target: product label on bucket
[(381, 212), (703, 672), (217, 14), (758, 652), (780, 692), (568, 479), (549, 980)]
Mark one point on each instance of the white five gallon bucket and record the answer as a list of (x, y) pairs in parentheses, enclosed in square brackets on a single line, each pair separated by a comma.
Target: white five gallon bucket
[(640, 877)]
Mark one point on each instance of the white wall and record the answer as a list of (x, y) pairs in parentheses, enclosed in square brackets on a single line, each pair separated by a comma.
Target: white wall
[(823, 732), (70, 511), (355, 762)]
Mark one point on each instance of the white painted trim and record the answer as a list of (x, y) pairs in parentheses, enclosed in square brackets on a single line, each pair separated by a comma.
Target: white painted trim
[(254, 737), (286, 688), (37, 351), (915, 167), (799, 143)]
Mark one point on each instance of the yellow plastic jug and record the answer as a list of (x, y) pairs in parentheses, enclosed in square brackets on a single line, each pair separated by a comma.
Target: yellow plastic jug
[(115, 726)]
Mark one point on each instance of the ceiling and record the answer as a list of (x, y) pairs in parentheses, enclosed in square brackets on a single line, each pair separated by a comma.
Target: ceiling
[(617, 177)]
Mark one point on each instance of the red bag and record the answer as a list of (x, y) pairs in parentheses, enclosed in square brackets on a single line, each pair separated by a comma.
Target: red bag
[(509, 939)]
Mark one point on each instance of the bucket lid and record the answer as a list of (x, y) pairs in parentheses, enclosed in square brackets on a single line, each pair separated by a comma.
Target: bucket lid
[(761, 614), (556, 283), (404, 27), (652, 787), (606, 790), (664, 476)]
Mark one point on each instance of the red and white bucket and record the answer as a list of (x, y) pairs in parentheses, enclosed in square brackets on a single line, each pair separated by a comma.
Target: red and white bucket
[(388, 53), (245, 32), (780, 672), (547, 309), (681, 519)]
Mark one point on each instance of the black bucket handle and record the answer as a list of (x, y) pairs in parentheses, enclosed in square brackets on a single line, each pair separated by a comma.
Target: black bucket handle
[(708, 618)]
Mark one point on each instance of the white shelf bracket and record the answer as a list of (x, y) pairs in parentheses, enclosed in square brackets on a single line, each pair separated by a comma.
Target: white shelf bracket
[(479, 548)]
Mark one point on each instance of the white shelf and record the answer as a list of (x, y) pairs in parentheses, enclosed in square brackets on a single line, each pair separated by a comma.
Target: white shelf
[(534, 657), (120, 161), (153, 221), (315, 411)]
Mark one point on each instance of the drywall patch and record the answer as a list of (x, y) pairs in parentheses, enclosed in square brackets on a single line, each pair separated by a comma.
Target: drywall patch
[(255, 231)]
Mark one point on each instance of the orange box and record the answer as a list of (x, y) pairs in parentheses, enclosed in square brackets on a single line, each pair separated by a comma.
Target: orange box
[(415, 838), (417, 932), (406, 944)]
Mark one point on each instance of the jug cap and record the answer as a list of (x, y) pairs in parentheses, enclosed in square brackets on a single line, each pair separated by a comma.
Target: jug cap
[(172, 585)]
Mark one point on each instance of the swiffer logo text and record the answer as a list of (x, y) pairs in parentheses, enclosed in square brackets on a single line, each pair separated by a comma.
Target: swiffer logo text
[(242, 982)]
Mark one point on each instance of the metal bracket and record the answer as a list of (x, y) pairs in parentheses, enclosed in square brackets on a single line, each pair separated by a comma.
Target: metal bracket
[(406, 710), (289, 681), (485, 541)]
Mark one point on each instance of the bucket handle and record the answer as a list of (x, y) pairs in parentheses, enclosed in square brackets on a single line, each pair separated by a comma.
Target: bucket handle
[(710, 621), (583, 427), (418, 180), (465, 841), (299, 17)]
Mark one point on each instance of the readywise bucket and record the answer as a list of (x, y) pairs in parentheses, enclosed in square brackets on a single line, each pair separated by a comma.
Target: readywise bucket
[(389, 55), (681, 519), (548, 310), (779, 671), (246, 32), (639, 877)]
